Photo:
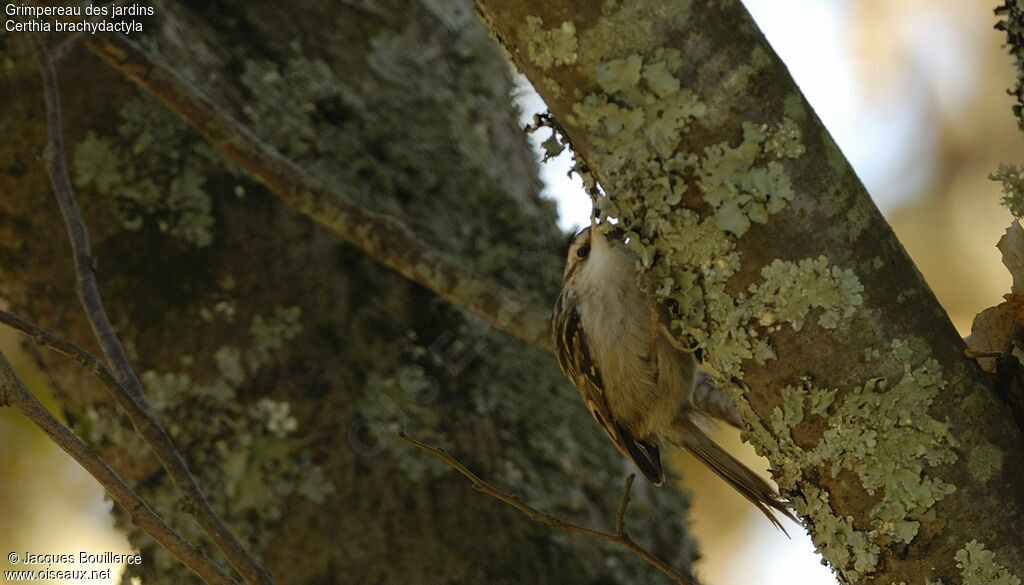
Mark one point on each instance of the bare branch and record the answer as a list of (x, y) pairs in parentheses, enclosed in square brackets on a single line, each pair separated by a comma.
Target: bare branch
[(620, 537), (44, 338), (128, 393), (69, 43), (620, 516), (385, 238), (56, 168), (14, 393)]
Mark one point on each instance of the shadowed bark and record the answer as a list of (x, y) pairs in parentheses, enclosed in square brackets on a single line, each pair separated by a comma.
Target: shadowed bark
[(281, 358)]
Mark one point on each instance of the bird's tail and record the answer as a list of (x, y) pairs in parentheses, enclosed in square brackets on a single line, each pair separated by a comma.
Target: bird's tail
[(686, 434)]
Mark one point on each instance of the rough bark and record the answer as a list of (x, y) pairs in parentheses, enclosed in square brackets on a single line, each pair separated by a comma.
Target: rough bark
[(282, 359), (786, 279)]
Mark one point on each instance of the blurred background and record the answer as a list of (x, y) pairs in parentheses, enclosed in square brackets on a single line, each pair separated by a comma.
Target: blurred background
[(914, 93)]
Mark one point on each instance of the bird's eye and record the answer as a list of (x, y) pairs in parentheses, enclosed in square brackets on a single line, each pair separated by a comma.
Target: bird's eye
[(583, 251)]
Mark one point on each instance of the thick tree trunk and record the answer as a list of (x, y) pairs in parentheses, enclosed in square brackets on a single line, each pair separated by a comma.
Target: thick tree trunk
[(281, 359), (784, 276)]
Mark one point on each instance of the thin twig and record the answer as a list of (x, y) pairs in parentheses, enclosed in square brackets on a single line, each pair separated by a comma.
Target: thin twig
[(78, 233), (14, 393), (130, 394), (385, 238), (69, 43), (44, 338), (557, 523), (620, 516)]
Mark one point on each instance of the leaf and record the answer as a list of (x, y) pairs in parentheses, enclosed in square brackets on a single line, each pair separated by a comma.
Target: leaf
[(1012, 247), (990, 332)]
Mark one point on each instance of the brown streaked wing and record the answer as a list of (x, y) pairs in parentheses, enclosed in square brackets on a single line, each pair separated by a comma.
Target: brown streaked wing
[(577, 364)]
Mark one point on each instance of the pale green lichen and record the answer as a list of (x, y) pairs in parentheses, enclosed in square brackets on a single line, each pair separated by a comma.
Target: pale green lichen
[(269, 334), (547, 47), (879, 431), (857, 217), (303, 83), (644, 109), (741, 191), (474, 368), (759, 58), (277, 416), (246, 454), (147, 176), (979, 567), (401, 401), (787, 295), (634, 135), (792, 411), (621, 76), (737, 338), (739, 78), (834, 156), (790, 290), (984, 461), (553, 87), (1011, 177), (794, 108), (785, 140), (821, 399), (846, 547)]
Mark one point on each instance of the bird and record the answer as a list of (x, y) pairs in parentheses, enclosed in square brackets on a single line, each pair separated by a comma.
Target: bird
[(612, 342)]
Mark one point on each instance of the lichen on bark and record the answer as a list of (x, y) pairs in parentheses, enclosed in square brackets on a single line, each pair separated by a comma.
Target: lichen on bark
[(406, 110)]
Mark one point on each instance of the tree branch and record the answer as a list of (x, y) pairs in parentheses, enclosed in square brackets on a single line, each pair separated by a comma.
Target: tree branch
[(784, 275), (14, 393), (78, 234), (620, 516), (128, 393), (69, 43), (620, 537), (385, 238), (44, 338)]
